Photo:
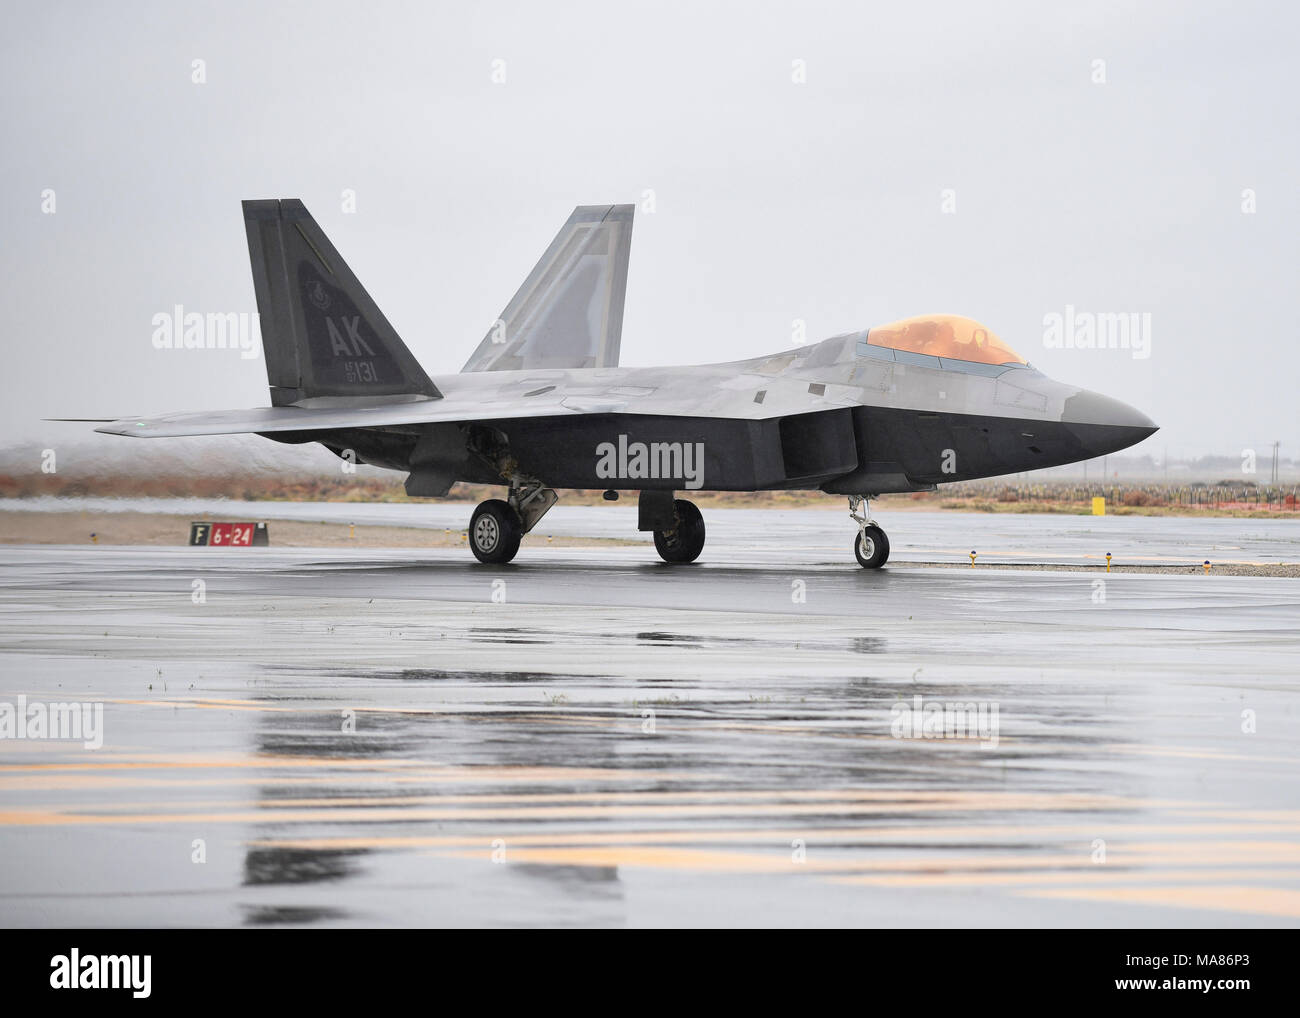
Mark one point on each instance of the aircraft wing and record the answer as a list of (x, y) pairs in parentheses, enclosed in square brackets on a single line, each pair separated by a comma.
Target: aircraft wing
[(707, 390), (260, 420)]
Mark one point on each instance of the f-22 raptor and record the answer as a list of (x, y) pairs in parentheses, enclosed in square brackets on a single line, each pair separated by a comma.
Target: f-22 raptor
[(542, 403)]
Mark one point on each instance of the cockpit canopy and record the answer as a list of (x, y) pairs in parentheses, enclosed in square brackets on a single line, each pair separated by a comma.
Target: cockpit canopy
[(951, 337)]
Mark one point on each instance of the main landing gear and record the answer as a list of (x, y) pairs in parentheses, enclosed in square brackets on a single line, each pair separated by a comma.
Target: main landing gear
[(871, 546), (497, 526), (683, 540), (495, 531)]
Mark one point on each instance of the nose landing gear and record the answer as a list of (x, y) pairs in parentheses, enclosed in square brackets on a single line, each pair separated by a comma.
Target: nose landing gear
[(870, 546)]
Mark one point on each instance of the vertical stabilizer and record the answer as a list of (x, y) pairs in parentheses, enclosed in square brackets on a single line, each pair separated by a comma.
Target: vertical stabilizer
[(569, 312), (321, 332)]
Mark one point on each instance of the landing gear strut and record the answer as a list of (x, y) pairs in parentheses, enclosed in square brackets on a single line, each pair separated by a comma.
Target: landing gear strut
[(683, 540), (497, 526), (871, 546)]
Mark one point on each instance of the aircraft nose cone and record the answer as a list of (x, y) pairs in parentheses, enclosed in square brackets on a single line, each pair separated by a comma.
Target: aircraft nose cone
[(1105, 425), (1093, 408)]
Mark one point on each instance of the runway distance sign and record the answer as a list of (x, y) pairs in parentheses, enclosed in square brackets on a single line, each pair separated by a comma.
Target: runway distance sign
[(229, 535)]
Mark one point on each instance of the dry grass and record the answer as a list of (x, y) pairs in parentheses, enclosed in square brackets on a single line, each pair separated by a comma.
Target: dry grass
[(982, 497)]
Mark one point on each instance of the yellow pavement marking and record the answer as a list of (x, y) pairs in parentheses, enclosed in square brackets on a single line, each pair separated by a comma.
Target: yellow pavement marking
[(879, 837), (909, 872), (431, 768), (887, 802), (1192, 752), (375, 811), (1272, 901), (1100, 875)]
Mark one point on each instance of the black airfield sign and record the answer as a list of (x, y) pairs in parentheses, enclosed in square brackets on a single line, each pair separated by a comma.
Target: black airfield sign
[(229, 535)]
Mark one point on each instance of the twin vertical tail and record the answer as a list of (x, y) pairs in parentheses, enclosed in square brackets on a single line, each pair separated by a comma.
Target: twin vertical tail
[(569, 311), (321, 333), (324, 337)]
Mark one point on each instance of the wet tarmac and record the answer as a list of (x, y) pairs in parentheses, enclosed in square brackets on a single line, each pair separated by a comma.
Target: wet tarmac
[(786, 536), (773, 736)]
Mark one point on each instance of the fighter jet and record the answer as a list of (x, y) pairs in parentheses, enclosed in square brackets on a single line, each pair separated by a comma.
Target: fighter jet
[(542, 403)]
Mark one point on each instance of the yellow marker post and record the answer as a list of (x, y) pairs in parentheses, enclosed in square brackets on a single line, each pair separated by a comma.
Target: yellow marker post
[(1107, 561), (352, 531), (94, 538), (972, 560), (1098, 506), (1206, 567)]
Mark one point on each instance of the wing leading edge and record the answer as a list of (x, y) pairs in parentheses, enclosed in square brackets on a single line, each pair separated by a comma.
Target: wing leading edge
[(260, 420)]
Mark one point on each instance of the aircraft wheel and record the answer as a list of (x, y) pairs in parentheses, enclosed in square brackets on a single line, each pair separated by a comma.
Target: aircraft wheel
[(685, 541), (871, 546), (495, 531)]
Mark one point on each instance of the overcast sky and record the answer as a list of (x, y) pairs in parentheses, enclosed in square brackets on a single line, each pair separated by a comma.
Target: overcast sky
[(1111, 187)]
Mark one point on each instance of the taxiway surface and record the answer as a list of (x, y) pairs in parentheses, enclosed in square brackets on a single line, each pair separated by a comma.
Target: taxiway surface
[(589, 737)]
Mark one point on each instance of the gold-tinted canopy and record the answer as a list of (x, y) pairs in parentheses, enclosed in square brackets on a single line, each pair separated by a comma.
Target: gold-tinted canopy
[(950, 336)]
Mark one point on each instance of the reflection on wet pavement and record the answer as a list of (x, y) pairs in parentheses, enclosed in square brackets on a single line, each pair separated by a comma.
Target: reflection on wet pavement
[(297, 757)]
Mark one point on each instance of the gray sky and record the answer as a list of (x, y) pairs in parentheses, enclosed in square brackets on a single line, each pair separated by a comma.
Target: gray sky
[(774, 200)]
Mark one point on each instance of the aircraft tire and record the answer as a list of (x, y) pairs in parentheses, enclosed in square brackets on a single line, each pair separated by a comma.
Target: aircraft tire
[(685, 541), (876, 551), (495, 531)]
